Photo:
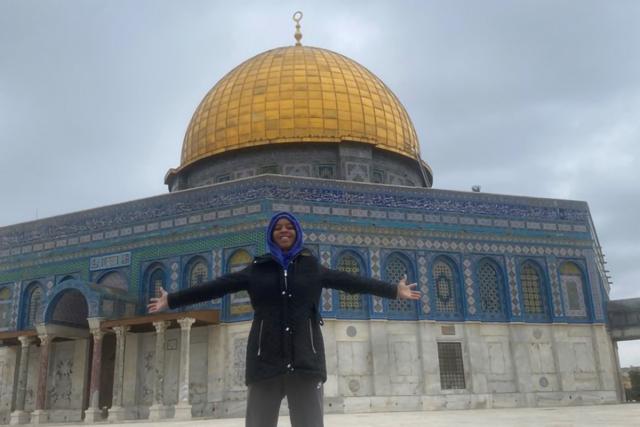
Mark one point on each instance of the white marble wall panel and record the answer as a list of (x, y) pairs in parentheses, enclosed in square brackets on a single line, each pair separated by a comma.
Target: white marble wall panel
[(8, 362), (216, 363), (198, 373), (145, 371), (330, 333), (32, 378), (130, 385), (66, 380), (405, 377), (171, 366), (355, 367)]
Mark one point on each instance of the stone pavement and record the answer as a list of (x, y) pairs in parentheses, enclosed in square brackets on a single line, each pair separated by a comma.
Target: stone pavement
[(575, 416)]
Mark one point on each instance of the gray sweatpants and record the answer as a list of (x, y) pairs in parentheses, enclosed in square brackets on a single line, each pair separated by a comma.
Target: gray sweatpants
[(304, 395)]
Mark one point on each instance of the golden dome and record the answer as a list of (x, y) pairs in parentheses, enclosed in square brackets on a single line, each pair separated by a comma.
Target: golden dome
[(298, 94)]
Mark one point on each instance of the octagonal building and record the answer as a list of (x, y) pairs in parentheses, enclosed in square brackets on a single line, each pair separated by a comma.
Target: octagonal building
[(513, 288)]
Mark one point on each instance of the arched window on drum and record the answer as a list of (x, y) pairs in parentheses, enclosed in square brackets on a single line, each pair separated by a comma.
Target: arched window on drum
[(240, 302), (573, 290), (351, 303), (396, 267)]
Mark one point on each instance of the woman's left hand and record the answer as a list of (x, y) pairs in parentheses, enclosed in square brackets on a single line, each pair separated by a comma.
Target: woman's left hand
[(407, 291)]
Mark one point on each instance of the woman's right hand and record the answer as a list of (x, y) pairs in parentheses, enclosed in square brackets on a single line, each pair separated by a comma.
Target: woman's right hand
[(159, 304)]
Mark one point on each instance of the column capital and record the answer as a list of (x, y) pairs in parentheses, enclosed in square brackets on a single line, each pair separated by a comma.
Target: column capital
[(94, 322), (186, 322), (45, 339), (120, 331), (97, 333), (161, 326), (25, 340)]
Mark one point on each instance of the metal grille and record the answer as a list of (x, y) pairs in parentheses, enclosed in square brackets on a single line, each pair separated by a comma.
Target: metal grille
[(395, 270), (350, 302), (156, 282), (198, 274), (451, 365), (531, 290), (489, 289), (445, 295), (35, 303), (326, 172)]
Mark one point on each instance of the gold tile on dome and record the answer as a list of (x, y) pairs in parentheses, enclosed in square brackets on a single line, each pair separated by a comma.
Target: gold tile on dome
[(298, 94)]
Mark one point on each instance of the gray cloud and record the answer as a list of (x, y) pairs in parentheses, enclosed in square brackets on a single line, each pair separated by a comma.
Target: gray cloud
[(536, 98)]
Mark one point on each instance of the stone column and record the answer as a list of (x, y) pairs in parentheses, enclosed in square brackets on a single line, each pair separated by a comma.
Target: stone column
[(94, 413), (19, 416), (183, 408), (40, 415), (116, 412), (158, 409)]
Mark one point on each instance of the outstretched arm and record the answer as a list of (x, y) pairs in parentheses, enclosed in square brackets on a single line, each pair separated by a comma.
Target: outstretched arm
[(407, 291), (158, 304), (362, 285), (229, 283)]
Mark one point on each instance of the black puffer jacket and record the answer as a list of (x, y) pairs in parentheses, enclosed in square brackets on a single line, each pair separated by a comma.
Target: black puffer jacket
[(285, 334)]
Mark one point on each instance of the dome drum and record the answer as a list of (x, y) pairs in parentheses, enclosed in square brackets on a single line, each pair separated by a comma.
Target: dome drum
[(351, 161)]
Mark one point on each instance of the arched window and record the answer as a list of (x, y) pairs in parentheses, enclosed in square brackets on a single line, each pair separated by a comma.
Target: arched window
[(490, 288), (573, 290), (240, 301), (114, 280), (531, 290), (350, 302), (5, 306), (443, 278), (198, 273), (395, 269), (156, 282), (34, 305), (239, 260)]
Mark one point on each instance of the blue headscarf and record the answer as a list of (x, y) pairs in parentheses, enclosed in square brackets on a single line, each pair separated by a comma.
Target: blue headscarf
[(284, 258)]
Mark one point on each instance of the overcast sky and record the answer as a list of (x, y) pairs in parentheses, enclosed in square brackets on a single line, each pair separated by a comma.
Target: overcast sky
[(534, 98)]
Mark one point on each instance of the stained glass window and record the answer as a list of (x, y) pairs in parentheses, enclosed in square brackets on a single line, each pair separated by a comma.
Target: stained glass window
[(395, 270), (489, 288), (572, 282), (350, 302), (531, 290), (198, 273), (451, 365), (240, 301), (445, 293)]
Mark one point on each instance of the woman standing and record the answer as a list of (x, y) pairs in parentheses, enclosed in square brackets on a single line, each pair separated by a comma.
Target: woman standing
[(285, 349)]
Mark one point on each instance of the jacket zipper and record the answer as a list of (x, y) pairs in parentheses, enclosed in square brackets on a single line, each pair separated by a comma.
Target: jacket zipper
[(260, 338), (313, 347), (286, 287)]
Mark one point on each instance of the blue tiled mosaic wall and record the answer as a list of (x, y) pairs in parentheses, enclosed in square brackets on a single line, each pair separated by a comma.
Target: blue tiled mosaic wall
[(372, 221)]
